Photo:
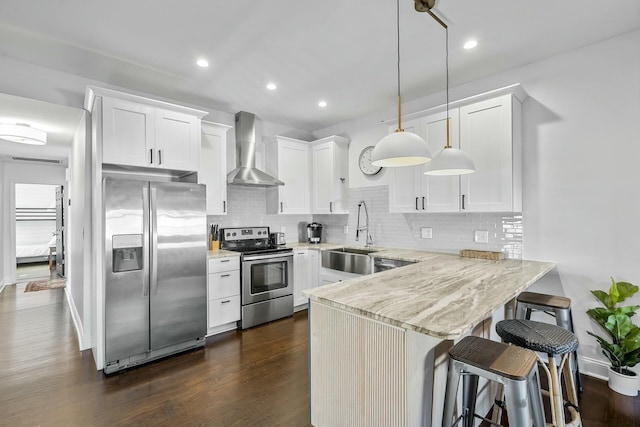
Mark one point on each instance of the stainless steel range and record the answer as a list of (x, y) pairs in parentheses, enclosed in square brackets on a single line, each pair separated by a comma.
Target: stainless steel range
[(266, 273)]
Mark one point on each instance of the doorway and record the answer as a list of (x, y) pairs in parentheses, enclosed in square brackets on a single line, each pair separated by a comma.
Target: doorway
[(39, 231)]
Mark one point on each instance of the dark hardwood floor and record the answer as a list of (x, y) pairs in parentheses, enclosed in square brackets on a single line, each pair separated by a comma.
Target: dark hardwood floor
[(253, 378)]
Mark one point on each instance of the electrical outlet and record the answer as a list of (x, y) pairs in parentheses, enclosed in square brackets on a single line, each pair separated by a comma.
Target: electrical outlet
[(283, 229), (346, 229), (426, 232), (481, 236)]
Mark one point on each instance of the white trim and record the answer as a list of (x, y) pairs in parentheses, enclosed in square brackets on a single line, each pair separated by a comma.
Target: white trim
[(594, 367), (83, 342), (2, 286)]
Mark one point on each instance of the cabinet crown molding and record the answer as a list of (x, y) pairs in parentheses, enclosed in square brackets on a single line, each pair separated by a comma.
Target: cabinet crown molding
[(334, 138), (91, 92)]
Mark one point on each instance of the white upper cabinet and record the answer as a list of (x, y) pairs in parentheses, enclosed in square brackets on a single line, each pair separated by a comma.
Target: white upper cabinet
[(490, 132), (147, 133), (128, 132), (177, 140), (213, 166), (330, 175), (289, 160), (413, 191)]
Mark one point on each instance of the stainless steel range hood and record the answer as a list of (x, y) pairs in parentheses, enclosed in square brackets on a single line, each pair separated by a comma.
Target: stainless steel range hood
[(246, 173)]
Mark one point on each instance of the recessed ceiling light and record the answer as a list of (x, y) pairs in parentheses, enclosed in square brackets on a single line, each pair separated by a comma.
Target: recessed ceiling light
[(322, 104), (202, 63), (470, 44), (272, 86)]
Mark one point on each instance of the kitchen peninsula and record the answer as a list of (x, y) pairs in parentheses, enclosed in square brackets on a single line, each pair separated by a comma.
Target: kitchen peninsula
[(378, 344)]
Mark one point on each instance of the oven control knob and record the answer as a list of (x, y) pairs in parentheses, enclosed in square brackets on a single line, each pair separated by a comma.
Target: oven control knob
[(259, 233), (233, 234)]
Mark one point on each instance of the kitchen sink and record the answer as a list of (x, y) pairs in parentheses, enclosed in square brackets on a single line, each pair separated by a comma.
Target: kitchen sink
[(357, 251), (348, 260)]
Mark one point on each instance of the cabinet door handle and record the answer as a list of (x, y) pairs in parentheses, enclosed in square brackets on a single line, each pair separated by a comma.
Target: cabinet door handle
[(225, 260), (300, 253), (330, 206), (224, 206), (280, 207), (225, 301), (225, 275), (416, 203), (159, 157), (463, 201), (151, 155), (423, 202)]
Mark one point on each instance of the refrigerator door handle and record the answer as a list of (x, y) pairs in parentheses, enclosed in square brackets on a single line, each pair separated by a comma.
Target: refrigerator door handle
[(145, 239), (154, 242)]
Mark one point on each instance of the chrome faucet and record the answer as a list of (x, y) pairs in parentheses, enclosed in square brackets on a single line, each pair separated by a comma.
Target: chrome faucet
[(369, 239)]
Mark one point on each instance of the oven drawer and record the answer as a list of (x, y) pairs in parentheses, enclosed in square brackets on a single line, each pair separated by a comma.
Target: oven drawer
[(224, 284), (224, 264), (224, 310)]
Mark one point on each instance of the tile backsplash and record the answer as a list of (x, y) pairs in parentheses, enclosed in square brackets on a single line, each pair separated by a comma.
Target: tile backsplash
[(248, 208), (451, 232)]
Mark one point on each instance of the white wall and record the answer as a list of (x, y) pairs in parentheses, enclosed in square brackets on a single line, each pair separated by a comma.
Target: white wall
[(79, 242), (581, 128), (20, 172)]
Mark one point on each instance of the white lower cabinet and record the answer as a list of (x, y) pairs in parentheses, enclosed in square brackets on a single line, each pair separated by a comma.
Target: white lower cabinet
[(223, 294), (305, 275)]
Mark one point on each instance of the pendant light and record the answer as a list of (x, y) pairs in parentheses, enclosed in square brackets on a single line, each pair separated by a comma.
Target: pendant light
[(449, 160), (400, 148)]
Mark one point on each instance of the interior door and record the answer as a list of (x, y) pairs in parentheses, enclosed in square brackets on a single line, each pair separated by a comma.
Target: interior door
[(60, 231), (179, 263)]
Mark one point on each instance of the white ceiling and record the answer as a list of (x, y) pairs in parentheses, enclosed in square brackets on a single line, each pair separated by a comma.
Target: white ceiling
[(336, 50)]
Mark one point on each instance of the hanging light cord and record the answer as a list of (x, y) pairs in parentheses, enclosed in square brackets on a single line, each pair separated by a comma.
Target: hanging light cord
[(446, 30), (398, 50)]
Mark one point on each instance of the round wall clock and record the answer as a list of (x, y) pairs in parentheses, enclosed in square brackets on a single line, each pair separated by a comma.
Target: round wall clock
[(365, 162)]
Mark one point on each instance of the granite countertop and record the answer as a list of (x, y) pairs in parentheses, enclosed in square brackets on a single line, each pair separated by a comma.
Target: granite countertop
[(221, 253), (442, 295)]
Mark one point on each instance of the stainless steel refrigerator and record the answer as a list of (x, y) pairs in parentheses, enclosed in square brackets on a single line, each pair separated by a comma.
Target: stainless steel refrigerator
[(155, 262)]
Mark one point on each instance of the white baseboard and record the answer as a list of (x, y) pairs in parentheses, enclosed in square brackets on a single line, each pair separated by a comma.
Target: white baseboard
[(599, 368), (83, 342), (2, 285)]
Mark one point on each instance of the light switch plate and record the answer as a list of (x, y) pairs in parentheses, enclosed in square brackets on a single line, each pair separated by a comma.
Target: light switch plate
[(283, 229), (346, 229), (426, 232), (481, 236)]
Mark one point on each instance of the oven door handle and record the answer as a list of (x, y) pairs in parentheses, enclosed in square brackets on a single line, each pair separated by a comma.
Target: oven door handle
[(263, 256)]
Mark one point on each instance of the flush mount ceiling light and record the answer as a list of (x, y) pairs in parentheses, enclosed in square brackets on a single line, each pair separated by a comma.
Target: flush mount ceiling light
[(202, 63), (449, 160), (322, 104), (23, 134), (272, 86), (400, 148)]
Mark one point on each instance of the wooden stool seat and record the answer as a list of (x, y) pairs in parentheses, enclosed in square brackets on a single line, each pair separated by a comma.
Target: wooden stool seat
[(513, 367), (544, 300), (501, 359)]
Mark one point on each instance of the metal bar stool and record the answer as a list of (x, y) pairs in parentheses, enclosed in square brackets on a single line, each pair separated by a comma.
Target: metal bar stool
[(555, 341), (553, 305), (513, 367)]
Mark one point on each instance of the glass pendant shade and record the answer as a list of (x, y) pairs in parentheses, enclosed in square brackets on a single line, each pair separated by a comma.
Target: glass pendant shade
[(401, 149), (22, 134), (450, 161)]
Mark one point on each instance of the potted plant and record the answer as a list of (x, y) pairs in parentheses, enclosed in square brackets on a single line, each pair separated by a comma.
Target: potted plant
[(623, 349)]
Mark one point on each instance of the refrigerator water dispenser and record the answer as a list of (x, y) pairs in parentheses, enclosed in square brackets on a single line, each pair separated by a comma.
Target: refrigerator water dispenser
[(127, 252)]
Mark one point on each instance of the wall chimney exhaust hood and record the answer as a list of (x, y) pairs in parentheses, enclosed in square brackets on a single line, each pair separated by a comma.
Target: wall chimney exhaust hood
[(246, 173)]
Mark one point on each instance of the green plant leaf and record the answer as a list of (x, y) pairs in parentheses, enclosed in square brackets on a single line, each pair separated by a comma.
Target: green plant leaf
[(602, 296), (625, 290), (628, 310), (619, 325), (613, 295)]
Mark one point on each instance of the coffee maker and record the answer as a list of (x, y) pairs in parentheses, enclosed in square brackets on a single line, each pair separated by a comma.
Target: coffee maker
[(314, 232)]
